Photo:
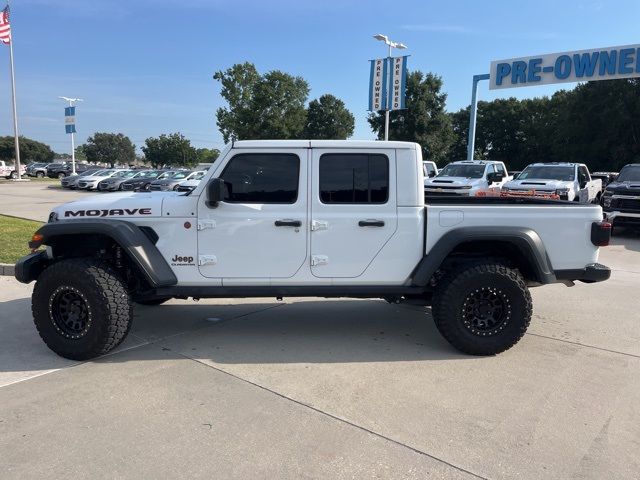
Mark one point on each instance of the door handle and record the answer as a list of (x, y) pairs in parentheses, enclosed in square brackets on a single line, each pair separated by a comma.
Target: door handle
[(371, 223), (288, 223)]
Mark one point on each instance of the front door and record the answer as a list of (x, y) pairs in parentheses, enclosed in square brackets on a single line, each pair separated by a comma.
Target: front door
[(353, 209), (259, 229)]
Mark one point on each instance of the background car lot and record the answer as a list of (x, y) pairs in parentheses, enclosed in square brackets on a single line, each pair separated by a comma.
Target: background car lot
[(327, 388)]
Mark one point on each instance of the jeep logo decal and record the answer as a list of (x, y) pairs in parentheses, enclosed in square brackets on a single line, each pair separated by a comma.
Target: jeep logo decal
[(178, 260), (105, 213)]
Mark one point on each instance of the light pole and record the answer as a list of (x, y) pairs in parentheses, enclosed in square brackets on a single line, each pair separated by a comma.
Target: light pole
[(399, 46), (73, 144)]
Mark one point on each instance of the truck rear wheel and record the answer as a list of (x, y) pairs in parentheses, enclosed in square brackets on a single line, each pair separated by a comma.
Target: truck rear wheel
[(81, 308), (482, 309)]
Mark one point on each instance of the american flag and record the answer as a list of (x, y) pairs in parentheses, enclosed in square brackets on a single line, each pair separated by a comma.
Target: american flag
[(5, 27)]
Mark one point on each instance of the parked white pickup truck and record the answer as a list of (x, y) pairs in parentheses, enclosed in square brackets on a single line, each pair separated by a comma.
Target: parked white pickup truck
[(307, 218), (8, 170), (467, 178), (570, 181)]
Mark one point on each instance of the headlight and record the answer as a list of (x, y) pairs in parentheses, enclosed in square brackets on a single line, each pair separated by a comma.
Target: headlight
[(562, 191), (606, 201), (505, 189)]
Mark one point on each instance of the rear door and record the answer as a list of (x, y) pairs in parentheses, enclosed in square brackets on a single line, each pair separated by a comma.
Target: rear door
[(259, 229), (353, 209)]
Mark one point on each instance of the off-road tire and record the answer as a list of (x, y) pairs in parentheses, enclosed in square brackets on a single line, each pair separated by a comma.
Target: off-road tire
[(61, 175), (39, 175), (151, 301), (13, 175), (108, 309), (458, 289)]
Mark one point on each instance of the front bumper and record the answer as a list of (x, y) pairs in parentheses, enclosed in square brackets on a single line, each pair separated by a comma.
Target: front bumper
[(30, 267), (594, 272)]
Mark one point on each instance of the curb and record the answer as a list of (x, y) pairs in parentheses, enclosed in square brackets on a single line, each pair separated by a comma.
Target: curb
[(7, 269)]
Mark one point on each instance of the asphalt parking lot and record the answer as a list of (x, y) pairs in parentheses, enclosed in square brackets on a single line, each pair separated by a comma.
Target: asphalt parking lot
[(312, 388)]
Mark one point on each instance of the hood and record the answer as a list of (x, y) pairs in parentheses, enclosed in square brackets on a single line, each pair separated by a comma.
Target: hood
[(624, 188), (533, 184), (114, 205), (450, 181)]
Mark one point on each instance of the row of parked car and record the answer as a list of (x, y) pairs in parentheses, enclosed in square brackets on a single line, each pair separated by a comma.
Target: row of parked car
[(115, 179), (617, 193)]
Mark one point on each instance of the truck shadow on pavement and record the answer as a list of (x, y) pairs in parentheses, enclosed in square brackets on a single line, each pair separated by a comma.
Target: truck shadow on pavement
[(305, 331), (628, 238)]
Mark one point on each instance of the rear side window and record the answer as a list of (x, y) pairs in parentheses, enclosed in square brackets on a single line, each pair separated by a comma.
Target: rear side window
[(262, 178), (354, 178)]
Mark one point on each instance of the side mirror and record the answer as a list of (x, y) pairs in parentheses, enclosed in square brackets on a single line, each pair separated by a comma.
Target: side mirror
[(431, 174), (494, 177), (215, 192)]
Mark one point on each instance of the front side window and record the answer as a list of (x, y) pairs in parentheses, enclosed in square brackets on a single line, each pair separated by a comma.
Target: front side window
[(500, 169), (354, 178), (262, 178)]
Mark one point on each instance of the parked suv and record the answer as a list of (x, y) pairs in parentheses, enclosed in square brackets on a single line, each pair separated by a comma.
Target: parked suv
[(467, 178), (61, 170), (38, 170), (621, 198)]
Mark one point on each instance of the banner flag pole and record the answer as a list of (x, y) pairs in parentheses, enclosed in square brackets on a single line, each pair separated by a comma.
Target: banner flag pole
[(15, 110)]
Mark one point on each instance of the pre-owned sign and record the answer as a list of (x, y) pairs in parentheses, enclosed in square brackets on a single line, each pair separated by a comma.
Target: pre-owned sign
[(580, 66)]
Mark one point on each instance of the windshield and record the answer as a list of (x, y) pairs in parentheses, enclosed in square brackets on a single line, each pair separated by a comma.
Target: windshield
[(165, 175), (629, 174), (122, 173), (198, 176), (129, 174), (180, 175), (99, 173), (548, 172), (87, 173), (461, 170), (144, 173)]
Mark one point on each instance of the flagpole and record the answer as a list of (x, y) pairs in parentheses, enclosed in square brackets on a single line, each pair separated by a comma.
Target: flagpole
[(15, 110)]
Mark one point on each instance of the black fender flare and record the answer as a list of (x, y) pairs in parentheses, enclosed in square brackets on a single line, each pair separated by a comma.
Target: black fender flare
[(527, 241), (129, 236)]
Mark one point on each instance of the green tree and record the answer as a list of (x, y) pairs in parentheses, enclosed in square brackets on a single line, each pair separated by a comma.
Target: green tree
[(110, 148), (80, 153), (269, 106), (424, 121), (207, 155), (30, 150), (169, 150), (328, 119)]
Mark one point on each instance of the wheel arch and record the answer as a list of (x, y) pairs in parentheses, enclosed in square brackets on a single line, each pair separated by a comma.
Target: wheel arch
[(66, 236), (522, 247)]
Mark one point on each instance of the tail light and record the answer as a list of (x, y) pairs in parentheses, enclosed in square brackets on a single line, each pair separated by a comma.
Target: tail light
[(600, 233)]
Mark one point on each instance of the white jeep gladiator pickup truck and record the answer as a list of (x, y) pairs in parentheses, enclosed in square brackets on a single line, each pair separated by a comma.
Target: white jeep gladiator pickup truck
[(307, 218), (570, 181), (467, 178)]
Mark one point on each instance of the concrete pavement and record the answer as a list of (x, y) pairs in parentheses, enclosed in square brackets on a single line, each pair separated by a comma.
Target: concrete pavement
[(34, 200), (331, 389)]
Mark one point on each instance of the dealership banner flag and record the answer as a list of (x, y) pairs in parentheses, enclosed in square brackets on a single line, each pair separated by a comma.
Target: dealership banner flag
[(70, 119), (378, 84), (398, 83)]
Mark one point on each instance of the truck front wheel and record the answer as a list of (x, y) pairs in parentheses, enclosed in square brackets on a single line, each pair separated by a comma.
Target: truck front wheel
[(482, 309), (81, 308)]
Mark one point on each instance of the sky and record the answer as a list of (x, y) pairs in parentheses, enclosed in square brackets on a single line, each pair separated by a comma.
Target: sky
[(145, 67)]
